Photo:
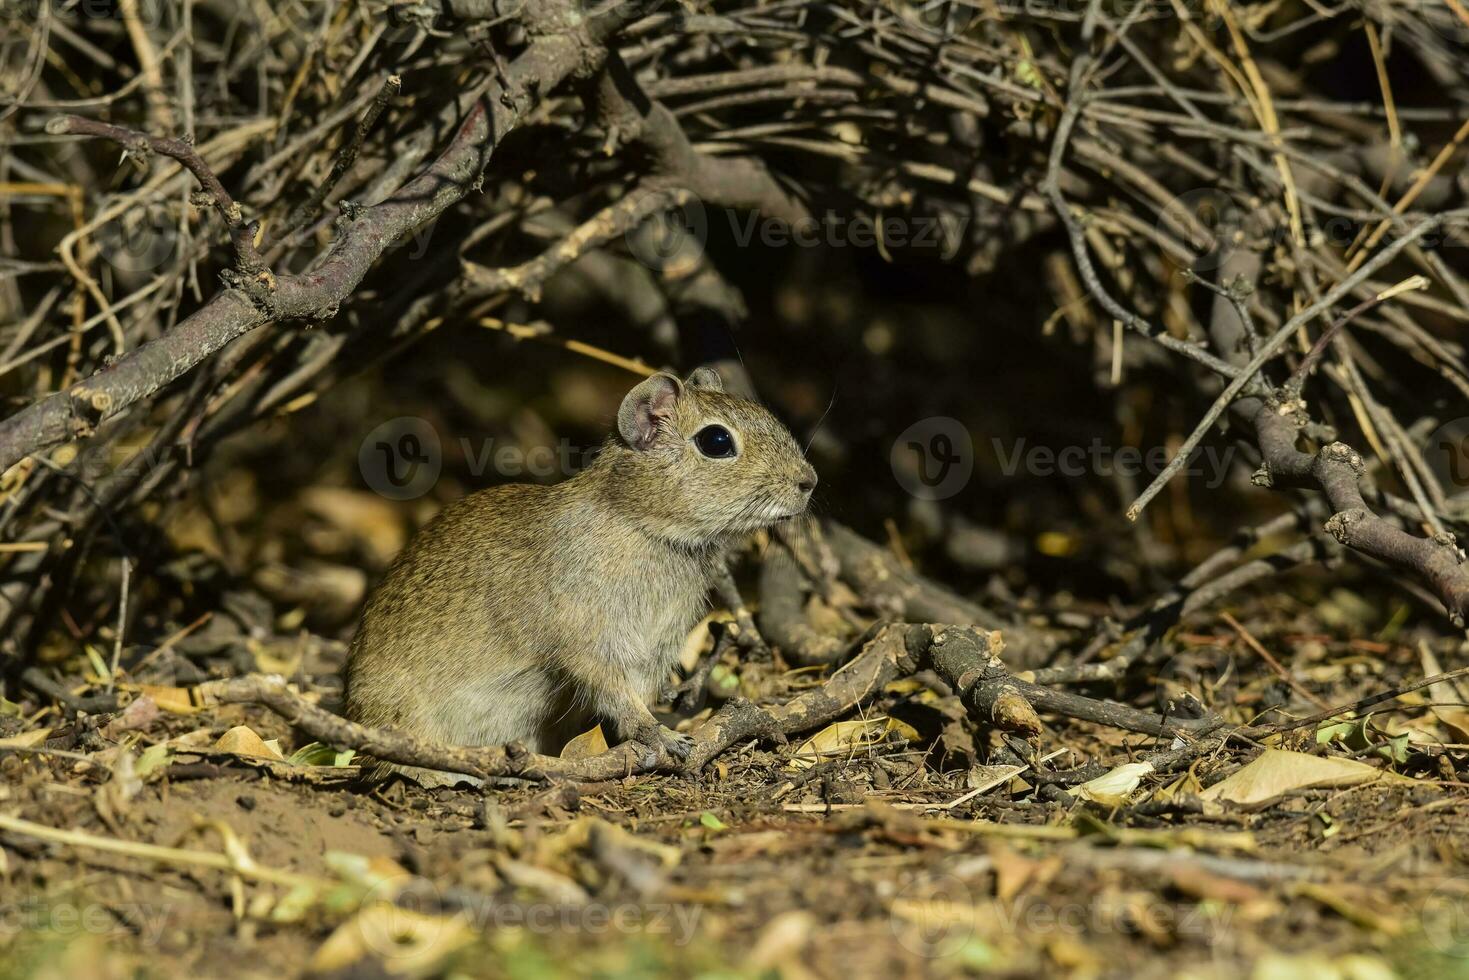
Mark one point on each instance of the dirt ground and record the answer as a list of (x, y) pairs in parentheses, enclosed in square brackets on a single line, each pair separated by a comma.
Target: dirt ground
[(878, 860)]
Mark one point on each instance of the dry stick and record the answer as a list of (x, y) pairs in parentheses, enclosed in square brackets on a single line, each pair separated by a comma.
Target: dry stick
[(607, 224), (746, 635), (783, 617), (1269, 658), (1297, 380), (1411, 194), (1336, 471), (1367, 702), (345, 158), (693, 693), (37, 679), (1145, 630), (242, 232), (627, 112), (122, 622), (548, 60), (234, 863), (968, 659), (904, 594), (1051, 187), (1267, 351)]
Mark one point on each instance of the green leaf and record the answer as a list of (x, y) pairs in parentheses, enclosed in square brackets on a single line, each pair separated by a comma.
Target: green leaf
[(153, 757), (1361, 735), (99, 666), (712, 822), (321, 754), (723, 680)]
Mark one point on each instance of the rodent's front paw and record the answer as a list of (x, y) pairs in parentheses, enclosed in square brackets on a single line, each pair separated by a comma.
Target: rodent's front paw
[(675, 745)]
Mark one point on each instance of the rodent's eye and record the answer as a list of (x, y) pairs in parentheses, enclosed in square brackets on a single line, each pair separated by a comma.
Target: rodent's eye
[(715, 442)]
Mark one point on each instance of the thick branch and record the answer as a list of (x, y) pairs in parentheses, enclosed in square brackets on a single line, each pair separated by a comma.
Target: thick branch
[(1335, 470), (629, 115), (253, 301)]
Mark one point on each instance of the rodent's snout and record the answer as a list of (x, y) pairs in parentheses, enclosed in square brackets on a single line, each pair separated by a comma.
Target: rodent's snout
[(806, 480)]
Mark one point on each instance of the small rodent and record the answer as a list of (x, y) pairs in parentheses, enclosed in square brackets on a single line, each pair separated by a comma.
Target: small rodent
[(522, 613)]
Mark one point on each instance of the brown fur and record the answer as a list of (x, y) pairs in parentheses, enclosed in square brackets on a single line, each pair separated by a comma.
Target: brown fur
[(522, 612)]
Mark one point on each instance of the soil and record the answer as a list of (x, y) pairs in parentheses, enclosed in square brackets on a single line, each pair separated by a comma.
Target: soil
[(880, 862)]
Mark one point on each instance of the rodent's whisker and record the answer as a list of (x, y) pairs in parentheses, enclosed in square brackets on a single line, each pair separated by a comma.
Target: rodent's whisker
[(819, 422)]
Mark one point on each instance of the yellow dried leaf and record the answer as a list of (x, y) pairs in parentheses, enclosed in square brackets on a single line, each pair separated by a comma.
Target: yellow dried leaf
[(587, 744), (242, 740), (1278, 772), (849, 738), (403, 941), (172, 699), (1115, 788)]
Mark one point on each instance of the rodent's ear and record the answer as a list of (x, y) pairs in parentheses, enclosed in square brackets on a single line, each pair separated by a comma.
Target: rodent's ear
[(643, 408), (705, 377)]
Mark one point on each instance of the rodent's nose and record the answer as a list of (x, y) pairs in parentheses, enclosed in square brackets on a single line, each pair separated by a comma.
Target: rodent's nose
[(806, 482)]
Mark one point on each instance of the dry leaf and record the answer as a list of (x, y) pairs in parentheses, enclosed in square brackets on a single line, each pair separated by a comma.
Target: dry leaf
[(587, 744), (112, 797), (25, 740), (404, 941), (845, 738), (141, 713), (699, 640), (779, 946), (172, 699), (242, 740), (1278, 772), (1013, 872), (594, 832), (1116, 787), (360, 515)]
